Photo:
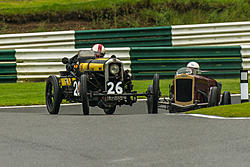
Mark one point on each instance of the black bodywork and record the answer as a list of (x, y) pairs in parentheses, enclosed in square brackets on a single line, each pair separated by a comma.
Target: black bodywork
[(101, 82)]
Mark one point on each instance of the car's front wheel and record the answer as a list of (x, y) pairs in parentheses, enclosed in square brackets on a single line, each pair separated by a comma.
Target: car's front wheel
[(53, 95), (153, 95), (213, 97), (84, 96)]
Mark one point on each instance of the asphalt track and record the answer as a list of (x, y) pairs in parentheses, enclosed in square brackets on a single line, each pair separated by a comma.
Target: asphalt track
[(131, 137)]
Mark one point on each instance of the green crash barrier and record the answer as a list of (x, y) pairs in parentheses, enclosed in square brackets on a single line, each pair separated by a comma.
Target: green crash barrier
[(213, 74), (7, 68), (8, 71), (8, 79), (185, 52), (124, 37), (7, 55), (221, 61)]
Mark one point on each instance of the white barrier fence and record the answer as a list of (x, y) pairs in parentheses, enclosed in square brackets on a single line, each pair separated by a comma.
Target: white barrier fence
[(245, 54), (231, 33), (41, 40), (38, 64)]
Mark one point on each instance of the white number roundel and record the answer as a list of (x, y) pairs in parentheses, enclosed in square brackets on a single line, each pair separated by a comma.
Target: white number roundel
[(115, 89)]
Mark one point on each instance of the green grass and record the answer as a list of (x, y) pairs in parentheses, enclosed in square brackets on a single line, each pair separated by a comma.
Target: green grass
[(31, 7), (232, 85), (124, 13), (235, 110), (31, 93), (28, 93)]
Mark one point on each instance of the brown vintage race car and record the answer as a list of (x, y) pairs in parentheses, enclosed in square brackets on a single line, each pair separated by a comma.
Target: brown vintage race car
[(193, 91)]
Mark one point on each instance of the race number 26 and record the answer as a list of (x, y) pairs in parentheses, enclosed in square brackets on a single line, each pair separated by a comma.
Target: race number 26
[(114, 88)]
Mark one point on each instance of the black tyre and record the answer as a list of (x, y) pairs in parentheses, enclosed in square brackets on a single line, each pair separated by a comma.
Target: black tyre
[(150, 99), (53, 95), (84, 96), (156, 92), (153, 95), (109, 111), (212, 101), (171, 109), (226, 98)]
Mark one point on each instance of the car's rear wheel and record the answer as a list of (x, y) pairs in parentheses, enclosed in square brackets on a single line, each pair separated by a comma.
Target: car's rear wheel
[(150, 99), (53, 95), (153, 95), (109, 111), (226, 98), (84, 96), (213, 97)]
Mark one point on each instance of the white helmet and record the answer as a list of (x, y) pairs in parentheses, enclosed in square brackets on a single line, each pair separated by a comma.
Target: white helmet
[(98, 50), (193, 65)]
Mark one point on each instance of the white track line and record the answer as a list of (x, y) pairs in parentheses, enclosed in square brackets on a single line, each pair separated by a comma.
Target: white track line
[(210, 116), (218, 117), (37, 106), (122, 160)]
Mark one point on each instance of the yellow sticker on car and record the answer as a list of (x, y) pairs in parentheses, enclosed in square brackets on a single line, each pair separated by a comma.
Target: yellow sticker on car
[(67, 81)]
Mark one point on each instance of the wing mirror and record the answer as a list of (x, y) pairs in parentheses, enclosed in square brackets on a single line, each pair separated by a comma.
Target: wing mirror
[(65, 60)]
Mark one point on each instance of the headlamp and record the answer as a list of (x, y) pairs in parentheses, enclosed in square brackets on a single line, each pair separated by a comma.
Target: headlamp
[(114, 69)]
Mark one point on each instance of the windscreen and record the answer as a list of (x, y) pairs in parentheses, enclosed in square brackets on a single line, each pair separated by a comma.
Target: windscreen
[(85, 54)]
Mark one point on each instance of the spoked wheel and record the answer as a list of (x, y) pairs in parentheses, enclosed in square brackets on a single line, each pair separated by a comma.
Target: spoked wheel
[(53, 95), (153, 95), (212, 101), (109, 111), (84, 96), (226, 98)]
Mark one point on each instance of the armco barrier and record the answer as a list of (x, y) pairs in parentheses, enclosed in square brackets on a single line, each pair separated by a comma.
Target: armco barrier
[(7, 55), (42, 40), (220, 61), (125, 37), (245, 52), (38, 64), (143, 62), (211, 28), (231, 33), (7, 66)]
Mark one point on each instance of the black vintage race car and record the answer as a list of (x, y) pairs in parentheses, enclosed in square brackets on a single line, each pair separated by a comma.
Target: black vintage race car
[(101, 82), (193, 91)]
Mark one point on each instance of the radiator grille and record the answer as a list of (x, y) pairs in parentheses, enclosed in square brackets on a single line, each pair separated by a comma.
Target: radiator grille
[(184, 90)]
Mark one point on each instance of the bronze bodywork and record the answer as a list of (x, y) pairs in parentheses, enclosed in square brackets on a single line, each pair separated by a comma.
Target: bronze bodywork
[(191, 91), (200, 88)]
